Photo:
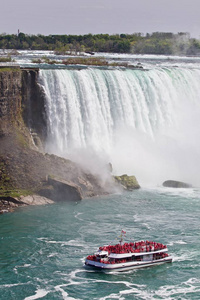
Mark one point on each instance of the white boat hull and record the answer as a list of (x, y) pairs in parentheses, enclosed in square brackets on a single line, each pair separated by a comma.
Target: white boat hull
[(121, 267)]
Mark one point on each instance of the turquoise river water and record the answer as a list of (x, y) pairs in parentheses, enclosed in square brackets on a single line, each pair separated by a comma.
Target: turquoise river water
[(42, 249)]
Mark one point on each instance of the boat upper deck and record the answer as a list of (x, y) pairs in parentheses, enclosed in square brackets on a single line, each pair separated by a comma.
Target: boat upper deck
[(137, 248), (130, 254)]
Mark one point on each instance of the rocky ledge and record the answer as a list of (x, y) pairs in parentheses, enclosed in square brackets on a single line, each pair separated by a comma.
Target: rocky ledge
[(59, 189), (9, 204)]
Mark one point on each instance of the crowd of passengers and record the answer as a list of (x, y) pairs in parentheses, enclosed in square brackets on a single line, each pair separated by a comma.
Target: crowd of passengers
[(136, 247)]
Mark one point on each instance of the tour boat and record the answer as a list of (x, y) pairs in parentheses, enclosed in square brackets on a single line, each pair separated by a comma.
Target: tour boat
[(128, 256)]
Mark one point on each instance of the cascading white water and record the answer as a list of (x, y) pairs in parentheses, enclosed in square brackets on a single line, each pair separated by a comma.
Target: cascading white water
[(145, 122)]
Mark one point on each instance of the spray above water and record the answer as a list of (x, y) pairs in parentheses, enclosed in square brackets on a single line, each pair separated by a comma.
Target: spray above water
[(145, 123)]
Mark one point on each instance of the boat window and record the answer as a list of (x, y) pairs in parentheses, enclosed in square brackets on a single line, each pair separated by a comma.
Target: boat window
[(138, 258)]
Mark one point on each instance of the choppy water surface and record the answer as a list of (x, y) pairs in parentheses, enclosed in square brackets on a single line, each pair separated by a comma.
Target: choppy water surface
[(43, 248)]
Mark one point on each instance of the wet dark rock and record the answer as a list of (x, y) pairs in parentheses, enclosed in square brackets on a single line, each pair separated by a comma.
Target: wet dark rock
[(128, 182), (61, 190), (176, 184)]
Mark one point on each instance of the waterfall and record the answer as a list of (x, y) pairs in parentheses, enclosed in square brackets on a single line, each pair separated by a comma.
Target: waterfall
[(145, 122)]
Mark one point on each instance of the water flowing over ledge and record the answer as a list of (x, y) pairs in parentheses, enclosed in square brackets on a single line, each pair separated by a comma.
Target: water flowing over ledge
[(120, 113)]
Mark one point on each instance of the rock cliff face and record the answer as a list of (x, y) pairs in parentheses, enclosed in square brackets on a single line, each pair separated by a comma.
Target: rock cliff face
[(33, 104), (22, 101), (10, 97)]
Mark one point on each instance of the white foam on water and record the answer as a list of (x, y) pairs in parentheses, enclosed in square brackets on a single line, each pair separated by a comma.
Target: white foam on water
[(73, 279), (23, 266), (193, 281), (136, 290), (133, 289), (185, 256), (77, 216), (76, 280), (181, 257), (146, 225), (13, 284), (74, 243), (168, 292), (190, 193), (40, 293), (182, 289), (195, 266), (140, 220), (83, 260), (179, 242), (73, 274), (126, 283), (65, 295), (112, 296), (53, 254), (142, 294), (137, 218)]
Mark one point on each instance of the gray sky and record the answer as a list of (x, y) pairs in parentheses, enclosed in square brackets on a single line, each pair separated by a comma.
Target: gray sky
[(99, 16)]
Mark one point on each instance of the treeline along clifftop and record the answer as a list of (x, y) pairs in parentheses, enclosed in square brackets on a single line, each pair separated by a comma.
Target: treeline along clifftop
[(155, 43)]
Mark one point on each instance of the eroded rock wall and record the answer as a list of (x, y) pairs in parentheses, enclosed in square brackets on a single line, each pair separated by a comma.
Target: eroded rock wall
[(10, 97), (33, 103), (21, 99)]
